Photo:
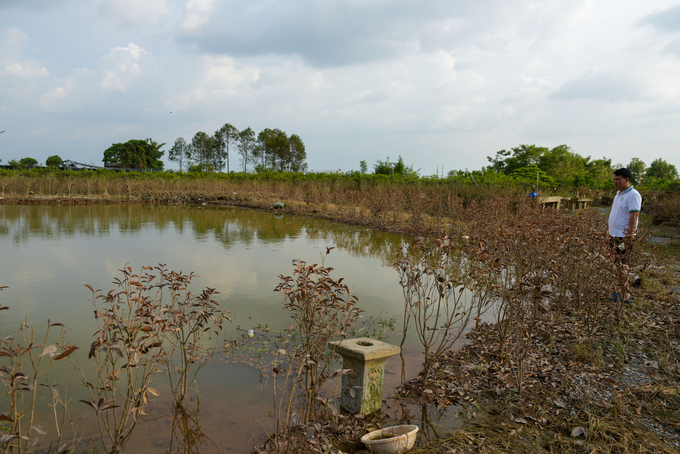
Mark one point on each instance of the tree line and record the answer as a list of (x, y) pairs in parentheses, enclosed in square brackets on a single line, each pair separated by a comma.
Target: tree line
[(27, 163), (561, 166), (271, 149)]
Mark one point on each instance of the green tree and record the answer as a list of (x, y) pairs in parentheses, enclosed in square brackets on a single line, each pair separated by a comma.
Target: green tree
[(637, 169), (279, 146), (662, 170), (13, 163), (264, 152), (297, 156), (178, 152), (498, 162), (28, 162), (246, 146), (201, 150), (383, 167), (561, 162), (135, 154), (393, 168), (54, 161), (226, 138), (527, 175), (524, 156), (274, 150), (154, 154), (363, 167)]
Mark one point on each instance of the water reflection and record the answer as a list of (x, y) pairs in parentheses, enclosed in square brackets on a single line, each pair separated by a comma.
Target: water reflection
[(48, 253), (229, 226), (186, 435), (434, 421)]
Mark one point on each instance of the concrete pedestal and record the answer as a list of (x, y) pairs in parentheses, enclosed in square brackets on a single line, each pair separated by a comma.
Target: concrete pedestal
[(362, 388)]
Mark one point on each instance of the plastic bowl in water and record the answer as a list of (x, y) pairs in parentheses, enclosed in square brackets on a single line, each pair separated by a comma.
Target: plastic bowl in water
[(397, 439)]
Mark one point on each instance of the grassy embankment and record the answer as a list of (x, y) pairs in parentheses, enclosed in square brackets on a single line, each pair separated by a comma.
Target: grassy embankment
[(415, 205)]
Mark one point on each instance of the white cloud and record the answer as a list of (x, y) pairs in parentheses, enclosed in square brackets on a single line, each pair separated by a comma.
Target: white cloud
[(68, 94), (601, 87), (25, 71), (121, 67), (134, 13), (14, 64), (12, 41), (116, 71), (196, 14)]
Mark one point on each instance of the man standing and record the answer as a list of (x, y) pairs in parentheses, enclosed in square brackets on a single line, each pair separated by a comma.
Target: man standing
[(623, 221)]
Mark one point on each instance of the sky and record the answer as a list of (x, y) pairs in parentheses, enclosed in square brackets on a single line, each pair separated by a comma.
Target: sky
[(442, 83)]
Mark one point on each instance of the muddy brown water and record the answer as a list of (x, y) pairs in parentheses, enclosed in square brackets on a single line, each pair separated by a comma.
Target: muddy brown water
[(49, 253)]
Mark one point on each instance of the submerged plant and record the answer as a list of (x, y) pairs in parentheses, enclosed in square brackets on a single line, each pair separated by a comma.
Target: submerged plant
[(144, 326), (434, 277), (24, 367), (323, 309), (185, 320)]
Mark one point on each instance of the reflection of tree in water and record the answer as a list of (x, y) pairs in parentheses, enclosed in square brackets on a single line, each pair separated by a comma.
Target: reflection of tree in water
[(187, 436), (359, 241), (434, 421), (229, 226)]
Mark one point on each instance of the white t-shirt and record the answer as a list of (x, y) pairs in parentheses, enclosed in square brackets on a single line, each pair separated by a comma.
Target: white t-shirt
[(625, 202)]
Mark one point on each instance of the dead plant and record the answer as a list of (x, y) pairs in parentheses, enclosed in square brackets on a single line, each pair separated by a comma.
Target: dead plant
[(27, 363), (434, 278), (323, 309), (139, 334)]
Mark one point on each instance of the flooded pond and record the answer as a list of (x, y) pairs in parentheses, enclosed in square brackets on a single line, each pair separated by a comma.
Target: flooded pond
[(49, 253)]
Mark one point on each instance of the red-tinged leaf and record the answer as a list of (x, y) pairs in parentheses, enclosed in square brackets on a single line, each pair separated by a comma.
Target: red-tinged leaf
[(108, 406), (91, 404), (57, 324), (69, 350), (19, 376), (4, 308), (90, 287), (6, 417)]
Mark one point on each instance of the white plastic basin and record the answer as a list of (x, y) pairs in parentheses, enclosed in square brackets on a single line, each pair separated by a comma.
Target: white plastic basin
[(401, 439)]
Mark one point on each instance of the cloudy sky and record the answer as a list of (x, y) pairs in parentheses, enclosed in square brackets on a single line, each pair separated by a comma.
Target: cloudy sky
[(443, 83)]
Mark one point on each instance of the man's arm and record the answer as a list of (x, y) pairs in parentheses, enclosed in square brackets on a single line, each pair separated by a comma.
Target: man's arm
[(632, 223)]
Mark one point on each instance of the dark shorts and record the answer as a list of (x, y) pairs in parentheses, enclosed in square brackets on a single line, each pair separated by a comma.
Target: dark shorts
[(621, 251)]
